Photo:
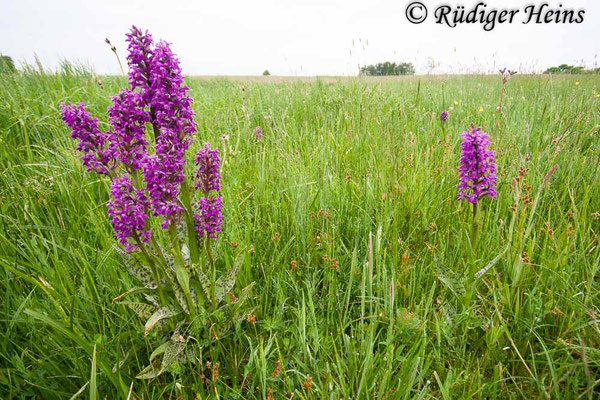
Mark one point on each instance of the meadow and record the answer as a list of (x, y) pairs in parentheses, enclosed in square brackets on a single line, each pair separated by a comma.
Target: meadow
[(345, 214)]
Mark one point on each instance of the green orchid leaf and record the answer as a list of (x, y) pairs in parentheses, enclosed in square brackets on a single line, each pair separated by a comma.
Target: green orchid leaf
[(159, 315)]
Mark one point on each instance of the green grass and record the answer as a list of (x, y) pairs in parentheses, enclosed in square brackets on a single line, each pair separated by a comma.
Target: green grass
[(360, 171)]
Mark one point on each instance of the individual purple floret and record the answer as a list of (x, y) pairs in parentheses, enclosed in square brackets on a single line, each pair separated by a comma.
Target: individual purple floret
[(477, 167), (128, 208), (444, 115), (258, 133), (91, 141), (128, 118), (208, 176), (209, 217)]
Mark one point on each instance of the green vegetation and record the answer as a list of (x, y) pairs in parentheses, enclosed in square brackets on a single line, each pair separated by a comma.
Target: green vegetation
[(7, 66), (346, 216), (388, 68), (570, 69)]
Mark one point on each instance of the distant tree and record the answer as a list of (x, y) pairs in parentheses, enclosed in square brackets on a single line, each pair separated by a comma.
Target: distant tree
[(7, 66), (266, 72), (388, 68), (565, 69)]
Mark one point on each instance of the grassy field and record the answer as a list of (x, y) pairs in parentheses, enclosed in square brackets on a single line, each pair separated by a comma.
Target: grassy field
[(347, 217)]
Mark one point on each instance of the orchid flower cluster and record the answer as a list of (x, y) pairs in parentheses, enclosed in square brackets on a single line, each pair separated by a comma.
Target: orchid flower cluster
[(477, 180), (477, 167), (148, 184), (143, 152), (444, 115)]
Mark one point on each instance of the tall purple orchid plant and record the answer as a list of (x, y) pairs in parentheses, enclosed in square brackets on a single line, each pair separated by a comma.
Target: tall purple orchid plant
[(143, 152), (477, 180)]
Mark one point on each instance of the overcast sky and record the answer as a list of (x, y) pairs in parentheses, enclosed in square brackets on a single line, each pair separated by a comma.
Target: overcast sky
[(302, 37)]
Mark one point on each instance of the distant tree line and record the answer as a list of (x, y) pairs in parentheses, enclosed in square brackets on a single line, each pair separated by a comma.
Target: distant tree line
[(388, 68), (570, 69), (7, 66)]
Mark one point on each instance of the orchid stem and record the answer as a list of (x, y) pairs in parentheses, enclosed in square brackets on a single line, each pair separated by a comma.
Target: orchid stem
[(213, 272), (186, 197), (152, 267), (472, 262)]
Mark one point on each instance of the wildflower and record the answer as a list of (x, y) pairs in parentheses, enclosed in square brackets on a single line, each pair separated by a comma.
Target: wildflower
[(92, 142), (277, 370), (232, 297), (270, 394), (172, 118), (128, 208), (214, 369), (455, 102), (139, 58), (171, 104), (444, 115), (128, 118), (258, 133), (157, 73), (209, 217), (480, 109), (308, 383), (576, 83), (163, 174), (478, 167), (208, 177)]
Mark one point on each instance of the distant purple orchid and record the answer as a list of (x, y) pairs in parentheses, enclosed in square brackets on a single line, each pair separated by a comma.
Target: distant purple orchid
[(477, 167), (444, 115), (258, 132)]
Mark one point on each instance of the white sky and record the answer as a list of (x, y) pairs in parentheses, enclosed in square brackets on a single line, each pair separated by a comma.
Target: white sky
[(301, 37)]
